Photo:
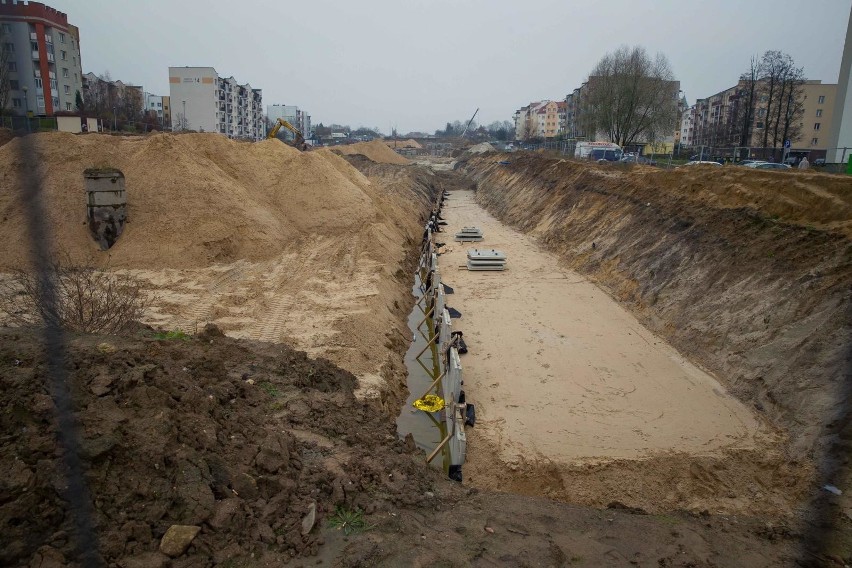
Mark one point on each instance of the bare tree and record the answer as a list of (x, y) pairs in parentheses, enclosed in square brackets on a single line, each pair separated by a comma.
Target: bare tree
[(631, 96), (746, 100)]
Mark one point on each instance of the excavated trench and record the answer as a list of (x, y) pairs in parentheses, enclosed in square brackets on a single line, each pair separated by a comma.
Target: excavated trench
[(745, 290)]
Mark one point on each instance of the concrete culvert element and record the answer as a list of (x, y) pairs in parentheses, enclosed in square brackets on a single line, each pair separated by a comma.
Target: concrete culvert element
[(106, 204)]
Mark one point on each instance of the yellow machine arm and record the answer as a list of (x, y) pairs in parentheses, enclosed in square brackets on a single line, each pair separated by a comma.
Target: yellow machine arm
[(300, 139)]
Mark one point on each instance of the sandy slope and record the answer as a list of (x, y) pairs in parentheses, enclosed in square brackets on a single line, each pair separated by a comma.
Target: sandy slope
[(563, 375)]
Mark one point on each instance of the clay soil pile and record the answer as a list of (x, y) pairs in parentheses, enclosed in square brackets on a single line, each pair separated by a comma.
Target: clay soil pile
[(207, 432), (376, 150), (410, 143), (267, 242), (192, 199)]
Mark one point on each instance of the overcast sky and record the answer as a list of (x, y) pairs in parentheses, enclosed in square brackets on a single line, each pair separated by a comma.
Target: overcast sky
[(417, 64)]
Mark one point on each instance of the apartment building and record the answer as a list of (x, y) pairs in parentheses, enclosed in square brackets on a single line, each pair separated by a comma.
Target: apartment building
[(202, 100), (43, 58), (840, 141), (291, 113), (719, 119), (530, 122), (106, 97)]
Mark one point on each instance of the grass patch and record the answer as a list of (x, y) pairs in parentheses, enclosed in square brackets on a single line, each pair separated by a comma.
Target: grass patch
[(349, 521), (175, 334), (269, 389)]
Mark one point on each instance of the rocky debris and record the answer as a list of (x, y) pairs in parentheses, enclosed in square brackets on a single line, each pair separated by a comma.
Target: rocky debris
[(177, 437), (177, 539)]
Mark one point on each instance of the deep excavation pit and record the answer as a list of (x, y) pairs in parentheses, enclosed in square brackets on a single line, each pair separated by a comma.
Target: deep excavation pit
[(745, 273)]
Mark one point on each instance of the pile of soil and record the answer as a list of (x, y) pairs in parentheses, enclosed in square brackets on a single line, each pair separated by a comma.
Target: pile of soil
[(482, 148), (410, 143), (6, 135), (376, 150), (744, 271), (236, 439), (192, 199)]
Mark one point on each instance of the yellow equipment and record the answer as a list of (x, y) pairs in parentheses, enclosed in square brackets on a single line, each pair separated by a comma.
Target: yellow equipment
[(300, 139)]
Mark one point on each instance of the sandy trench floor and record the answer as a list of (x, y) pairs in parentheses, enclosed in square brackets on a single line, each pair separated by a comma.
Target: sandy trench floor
[(559, 371)]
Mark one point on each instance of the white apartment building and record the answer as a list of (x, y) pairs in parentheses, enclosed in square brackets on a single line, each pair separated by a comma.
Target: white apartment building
[(687, 126), (42, 56), (203, 101), (291, 113)]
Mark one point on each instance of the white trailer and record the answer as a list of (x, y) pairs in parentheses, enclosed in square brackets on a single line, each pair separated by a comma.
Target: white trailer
[(583, 149)]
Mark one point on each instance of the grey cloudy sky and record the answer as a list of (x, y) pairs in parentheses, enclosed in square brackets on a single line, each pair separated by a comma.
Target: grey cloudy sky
[(418, 64)]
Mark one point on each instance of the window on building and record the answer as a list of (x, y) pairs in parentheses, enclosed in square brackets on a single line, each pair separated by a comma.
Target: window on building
[(13, 66), (61, 37), (67, 90), (819, 112), (34, 45), (40, 101), (64, 55), (816, 126), (38, 83), (9, 47), (64, 73), (13, 85), (814, 141), (821, 99), (53, 85), (759, 125), (55, 102), (7, 29), (16, 103), (67, 106)]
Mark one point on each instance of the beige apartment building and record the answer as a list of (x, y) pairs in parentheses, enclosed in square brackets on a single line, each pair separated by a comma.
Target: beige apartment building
[(715, 120)]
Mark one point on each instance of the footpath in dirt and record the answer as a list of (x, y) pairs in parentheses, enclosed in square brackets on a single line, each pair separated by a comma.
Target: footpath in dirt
[(576, 400)]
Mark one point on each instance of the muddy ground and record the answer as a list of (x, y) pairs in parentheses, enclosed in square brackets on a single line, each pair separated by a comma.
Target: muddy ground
[(240, 438)]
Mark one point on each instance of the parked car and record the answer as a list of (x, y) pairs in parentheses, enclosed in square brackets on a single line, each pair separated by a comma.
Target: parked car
[(819, 162), (754, 163), (702, 163), (634, 159), (771, 166)]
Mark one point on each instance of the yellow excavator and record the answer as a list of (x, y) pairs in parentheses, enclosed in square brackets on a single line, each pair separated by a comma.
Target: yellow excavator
[(299, 142)]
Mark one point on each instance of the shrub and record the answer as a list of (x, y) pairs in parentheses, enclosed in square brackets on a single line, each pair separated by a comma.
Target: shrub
[(87, 299)]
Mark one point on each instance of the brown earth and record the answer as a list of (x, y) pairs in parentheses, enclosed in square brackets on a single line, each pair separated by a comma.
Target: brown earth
[(240, 438), (6, 135), (264, 241), (376, 150), (160, 450), (746, 273), (410, 143)]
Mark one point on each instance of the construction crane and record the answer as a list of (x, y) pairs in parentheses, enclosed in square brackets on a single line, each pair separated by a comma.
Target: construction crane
[(299, 142), (468, 123)]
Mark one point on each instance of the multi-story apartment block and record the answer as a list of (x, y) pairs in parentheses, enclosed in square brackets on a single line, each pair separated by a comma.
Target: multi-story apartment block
[(840, 142), (106, 97), (291, 113), (546, 120), (154, 104), (203, 101), (577, 124), (529, 122), (719, 119), (43, 58)]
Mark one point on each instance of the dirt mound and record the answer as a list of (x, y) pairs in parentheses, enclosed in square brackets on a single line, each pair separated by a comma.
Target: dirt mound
[(746, 272), (238, 441), (376, 150), (6, 135), (481, 148), (192, 199), (410, 143)]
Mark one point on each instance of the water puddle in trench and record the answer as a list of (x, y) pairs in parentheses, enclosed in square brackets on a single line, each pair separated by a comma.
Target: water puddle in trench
[(427, 429)]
